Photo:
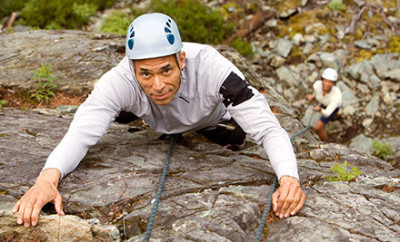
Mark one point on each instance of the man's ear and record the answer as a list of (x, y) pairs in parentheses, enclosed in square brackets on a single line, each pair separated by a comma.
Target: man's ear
[(182, 59)]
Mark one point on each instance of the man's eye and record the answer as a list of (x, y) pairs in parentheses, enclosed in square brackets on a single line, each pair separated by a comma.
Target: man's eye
[(145, 74), (166, 71)]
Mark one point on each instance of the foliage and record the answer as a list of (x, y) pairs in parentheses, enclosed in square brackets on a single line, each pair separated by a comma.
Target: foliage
[(343, 173), (117, 23), (58, 14), (382, 149), (9, 6), (197, 22), (243, 47), (337, 5), (3, 102), (45, 87), (83, 12)]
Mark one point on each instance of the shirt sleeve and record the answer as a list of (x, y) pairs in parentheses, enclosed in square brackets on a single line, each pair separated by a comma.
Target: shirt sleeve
[(252, 112), (333, 104), (91, 121)]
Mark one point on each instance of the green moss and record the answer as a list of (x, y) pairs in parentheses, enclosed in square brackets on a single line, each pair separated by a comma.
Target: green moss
[(298, 23), (225, 10), (285, 5), (337, 5), (4, 192), (394, 45)]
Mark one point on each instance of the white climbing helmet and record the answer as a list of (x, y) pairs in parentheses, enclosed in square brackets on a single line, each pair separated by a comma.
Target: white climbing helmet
[(152, 35), (330, 74)]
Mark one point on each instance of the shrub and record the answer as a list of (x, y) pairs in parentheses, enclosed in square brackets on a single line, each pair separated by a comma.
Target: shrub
[(382, 149), (343, 173), (337, 5), (9, 6), (57, 14), (243, 47), (117, 23), (45, 84), (197, 22)]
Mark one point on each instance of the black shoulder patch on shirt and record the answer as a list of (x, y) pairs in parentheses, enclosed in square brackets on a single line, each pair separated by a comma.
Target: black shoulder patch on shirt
[(235, 90)]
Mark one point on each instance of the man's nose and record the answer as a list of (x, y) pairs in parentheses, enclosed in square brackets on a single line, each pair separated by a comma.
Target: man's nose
[(158, 83)]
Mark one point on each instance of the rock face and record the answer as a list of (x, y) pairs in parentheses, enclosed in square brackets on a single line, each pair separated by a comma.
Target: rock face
[(210, 193), (56, 228), (78, 58)]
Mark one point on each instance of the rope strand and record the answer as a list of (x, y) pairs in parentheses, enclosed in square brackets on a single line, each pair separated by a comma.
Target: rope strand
[(273, 187), (158, 196)]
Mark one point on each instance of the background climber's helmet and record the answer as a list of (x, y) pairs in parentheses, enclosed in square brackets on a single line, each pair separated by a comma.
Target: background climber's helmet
[(152, 35), (330, 74)]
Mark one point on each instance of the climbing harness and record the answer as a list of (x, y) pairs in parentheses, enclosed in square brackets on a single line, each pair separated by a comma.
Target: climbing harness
[(273, 187), (160, 187), (162, 181)]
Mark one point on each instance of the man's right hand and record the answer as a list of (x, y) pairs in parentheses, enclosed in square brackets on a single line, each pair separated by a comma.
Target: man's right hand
[(310, 97), (44, 191)]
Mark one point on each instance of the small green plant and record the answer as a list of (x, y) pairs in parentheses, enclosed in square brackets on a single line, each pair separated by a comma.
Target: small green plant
[(243, 47), (3, 102), (337, 5), (382, 149), (45, 85), (343, 173)]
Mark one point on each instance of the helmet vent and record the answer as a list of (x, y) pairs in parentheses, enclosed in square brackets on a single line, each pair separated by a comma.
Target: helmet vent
[(170, 36), (130, 43), (132, 34)]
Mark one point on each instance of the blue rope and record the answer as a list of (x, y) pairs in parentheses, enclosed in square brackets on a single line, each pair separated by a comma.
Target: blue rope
[(162, 181), (266, 210), (273, 187), (158, 196)]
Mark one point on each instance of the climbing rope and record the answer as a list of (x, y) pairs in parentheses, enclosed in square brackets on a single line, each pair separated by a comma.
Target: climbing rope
[(158, 196), (162, 181), (273, 187)]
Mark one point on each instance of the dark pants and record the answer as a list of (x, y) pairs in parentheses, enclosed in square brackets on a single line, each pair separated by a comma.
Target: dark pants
[(224, 133), (325, 120)]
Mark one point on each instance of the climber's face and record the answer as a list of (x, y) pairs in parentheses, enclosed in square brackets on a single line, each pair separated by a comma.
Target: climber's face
[(160, 77), (327, 85)]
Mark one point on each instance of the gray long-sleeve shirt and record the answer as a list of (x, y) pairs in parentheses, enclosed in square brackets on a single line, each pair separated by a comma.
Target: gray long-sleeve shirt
[(197, 104)]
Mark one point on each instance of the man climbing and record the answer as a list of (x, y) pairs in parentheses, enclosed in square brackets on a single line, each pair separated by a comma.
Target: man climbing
[(330, 98), (174, 87)]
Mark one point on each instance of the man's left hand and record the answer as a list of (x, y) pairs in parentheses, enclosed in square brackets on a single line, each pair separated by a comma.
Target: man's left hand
[(289, 198)]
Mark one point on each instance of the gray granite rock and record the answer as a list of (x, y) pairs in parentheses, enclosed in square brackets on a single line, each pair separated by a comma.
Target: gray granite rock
[(209, 192)]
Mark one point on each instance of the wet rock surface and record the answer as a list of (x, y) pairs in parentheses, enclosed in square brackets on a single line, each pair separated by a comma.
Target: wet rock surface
[(210, 193)]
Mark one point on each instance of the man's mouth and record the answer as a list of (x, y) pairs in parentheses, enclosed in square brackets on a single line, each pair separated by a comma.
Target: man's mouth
[(161, 96)]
